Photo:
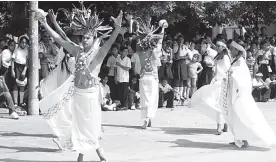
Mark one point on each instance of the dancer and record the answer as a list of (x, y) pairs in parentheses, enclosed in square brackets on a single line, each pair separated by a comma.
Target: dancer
[(149, 47), (244, 118), (206, 99), (81, 91)]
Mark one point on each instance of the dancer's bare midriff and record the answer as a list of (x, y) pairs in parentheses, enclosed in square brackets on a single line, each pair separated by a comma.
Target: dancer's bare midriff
[(82, 81)]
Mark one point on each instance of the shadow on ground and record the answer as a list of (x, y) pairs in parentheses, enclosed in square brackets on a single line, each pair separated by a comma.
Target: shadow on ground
[(186, 131), (29, 149), (15, 160), (122, 126), (209, 145), (16, 134)]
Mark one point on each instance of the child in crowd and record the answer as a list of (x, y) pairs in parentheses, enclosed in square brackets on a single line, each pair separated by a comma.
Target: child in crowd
[(194, 67), (106, 99), (133, 95), (250, 61), (166, 93), (111, 64)]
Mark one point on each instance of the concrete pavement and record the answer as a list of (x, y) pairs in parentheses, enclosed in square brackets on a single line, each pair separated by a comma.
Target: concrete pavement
[(181, 135)]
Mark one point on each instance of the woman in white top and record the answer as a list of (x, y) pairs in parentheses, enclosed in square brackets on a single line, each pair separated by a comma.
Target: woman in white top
[(206, 99), (6, 63), (245, 119), (264, 56), (19, 70), (180, 67)]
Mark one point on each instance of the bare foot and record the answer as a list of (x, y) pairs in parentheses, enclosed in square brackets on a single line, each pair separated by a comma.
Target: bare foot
[(219, 131), (225, 128), (149, 124), (101, 155), (80, 158), (146, 123), (245, 144)]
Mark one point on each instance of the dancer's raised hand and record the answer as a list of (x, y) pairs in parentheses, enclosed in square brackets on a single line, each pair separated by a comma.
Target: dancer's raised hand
[(106, 35), (40, 15), (52, 16), (118, 20)]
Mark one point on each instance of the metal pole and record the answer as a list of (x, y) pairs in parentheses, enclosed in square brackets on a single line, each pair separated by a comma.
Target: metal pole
[(33, 82)]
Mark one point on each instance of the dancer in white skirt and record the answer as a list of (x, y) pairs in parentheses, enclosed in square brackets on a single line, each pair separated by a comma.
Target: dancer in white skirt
[(149, 50), (206, 99), (244, 118), (74, 110)]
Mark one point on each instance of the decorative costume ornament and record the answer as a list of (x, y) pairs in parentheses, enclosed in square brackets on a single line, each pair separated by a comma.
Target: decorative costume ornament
[(82, 20), (145, 34)]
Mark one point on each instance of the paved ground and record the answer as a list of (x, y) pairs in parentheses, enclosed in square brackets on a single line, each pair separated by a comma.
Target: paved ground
[(182, 135)]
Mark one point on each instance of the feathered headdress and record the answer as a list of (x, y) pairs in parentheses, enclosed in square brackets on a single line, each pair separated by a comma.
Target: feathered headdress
[(82, 21), (146, 33)]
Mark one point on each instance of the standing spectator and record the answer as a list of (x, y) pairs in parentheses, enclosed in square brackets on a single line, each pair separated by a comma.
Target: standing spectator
[(47, 52), (263, 34), (194, 68), (135, 64), (166, 93), (166, 60), (19, 70), (255, 31), (272, 62), (263, 57), (271, 82), (123, 64), (5, 70), (194, 51), (2, 47), (180, 69), (7, 57), (261, 91), (250, 61), (111, 64), (208, 55)]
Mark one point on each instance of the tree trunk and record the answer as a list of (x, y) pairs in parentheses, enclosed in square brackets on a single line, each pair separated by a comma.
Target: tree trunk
[(33, 82)]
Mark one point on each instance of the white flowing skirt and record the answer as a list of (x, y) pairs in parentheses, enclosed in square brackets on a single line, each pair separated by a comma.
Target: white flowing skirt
[(206, 101), (74, 115), (244, 118), (149, 95), (86, 119)]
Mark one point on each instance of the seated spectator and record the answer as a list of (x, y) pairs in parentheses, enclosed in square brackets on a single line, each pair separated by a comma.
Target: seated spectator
[(133, 94), (166, 93), (271, 82), (261, 91), (106, 101), (6, 98)]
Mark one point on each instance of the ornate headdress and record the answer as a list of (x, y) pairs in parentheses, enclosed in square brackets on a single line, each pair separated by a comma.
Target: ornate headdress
[(146, 33), (82, 21)]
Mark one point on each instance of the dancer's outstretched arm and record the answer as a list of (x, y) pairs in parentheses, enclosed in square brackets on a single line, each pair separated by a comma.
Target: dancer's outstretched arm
[(72, 48), (107, 45), (158, 48)]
